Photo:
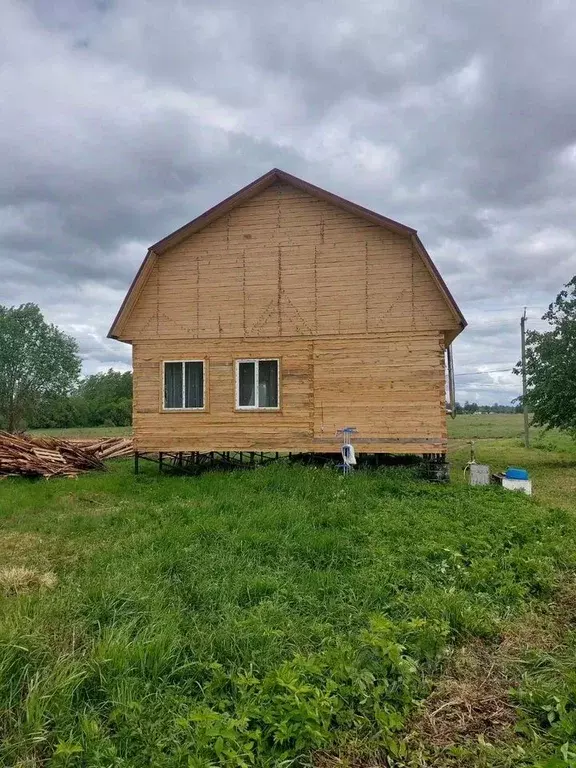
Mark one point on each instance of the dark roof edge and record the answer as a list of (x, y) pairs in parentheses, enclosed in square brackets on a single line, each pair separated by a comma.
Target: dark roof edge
[(111, 333), (258, 185), (439, 280), (246, 193)]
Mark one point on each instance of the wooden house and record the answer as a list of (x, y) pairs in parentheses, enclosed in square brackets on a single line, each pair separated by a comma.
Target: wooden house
[(282, 315)]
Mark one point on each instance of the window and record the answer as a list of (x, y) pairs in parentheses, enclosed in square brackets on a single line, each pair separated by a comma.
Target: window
[(257, 383), (184, 385)]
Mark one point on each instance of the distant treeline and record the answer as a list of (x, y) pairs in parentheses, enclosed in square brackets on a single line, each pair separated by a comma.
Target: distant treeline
[(494, 408), (104, 399)]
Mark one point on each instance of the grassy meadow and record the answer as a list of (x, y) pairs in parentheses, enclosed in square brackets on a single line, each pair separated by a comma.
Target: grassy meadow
[(74, 432), (464, 427), (290, 616)]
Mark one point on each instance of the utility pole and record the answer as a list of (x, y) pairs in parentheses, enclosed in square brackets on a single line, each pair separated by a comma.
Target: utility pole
[(524, 401)]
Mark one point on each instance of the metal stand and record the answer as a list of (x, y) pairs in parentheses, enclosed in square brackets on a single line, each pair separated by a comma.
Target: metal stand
[(346, 433)]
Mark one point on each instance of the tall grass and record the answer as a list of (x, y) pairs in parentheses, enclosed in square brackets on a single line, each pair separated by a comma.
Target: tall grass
[(250, 618)]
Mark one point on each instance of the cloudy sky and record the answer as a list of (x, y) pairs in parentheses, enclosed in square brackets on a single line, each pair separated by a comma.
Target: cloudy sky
[(122, 119)]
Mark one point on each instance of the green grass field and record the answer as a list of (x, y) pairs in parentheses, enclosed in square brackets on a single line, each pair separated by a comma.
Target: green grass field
[(482, 426), (503, 425), (85, 432), (465, 427), (290, 616)]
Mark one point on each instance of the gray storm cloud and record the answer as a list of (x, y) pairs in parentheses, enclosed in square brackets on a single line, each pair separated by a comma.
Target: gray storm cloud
[(122, 120)]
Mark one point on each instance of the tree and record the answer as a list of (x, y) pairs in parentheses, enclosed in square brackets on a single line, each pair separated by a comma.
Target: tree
[(102, 399), (108, 398), (60, 412), (37, 360), (551, 365)]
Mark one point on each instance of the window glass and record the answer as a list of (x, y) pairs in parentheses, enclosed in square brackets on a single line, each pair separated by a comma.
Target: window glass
[(173, 385), (194, 384), (268, 383), (246, 384)]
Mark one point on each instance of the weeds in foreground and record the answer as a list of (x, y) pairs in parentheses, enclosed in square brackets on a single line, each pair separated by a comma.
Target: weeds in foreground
[(275, 617)]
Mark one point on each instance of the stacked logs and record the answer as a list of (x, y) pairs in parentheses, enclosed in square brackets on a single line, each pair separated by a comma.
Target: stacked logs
[(55, 457)]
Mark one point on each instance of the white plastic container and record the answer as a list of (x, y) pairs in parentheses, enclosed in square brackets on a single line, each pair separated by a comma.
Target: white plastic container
[(517, 485), (479, 474)]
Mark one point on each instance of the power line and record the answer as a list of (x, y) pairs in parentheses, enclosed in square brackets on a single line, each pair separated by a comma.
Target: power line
[(485, 373), (479, 324), (513, 306), (508, 308)]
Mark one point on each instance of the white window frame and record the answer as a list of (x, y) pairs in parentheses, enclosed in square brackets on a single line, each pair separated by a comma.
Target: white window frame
[(183, 407), (256, 361)]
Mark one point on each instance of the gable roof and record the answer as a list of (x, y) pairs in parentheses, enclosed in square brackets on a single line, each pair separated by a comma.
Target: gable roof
[(246, 193)]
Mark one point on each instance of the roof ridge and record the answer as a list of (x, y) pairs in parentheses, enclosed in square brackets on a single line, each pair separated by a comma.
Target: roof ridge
[(254, 188)]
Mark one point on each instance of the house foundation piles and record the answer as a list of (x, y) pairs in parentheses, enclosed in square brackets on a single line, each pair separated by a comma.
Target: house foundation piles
[(433, 466)]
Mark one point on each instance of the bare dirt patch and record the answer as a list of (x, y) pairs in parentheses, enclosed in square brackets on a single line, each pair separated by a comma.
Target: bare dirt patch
[(17, 547), (17, 581), (470, 700)]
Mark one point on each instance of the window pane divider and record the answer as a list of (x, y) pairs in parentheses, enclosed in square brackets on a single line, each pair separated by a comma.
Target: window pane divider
[(183, 385), (255, 362), (183, 406)]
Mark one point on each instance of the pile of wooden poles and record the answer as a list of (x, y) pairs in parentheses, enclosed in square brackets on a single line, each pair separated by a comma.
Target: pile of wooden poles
[(55, 457)]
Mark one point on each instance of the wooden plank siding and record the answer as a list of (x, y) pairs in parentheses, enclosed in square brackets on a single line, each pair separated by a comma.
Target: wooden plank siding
[(349, 308), (390, 388), (285, 264), (220, 426)]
